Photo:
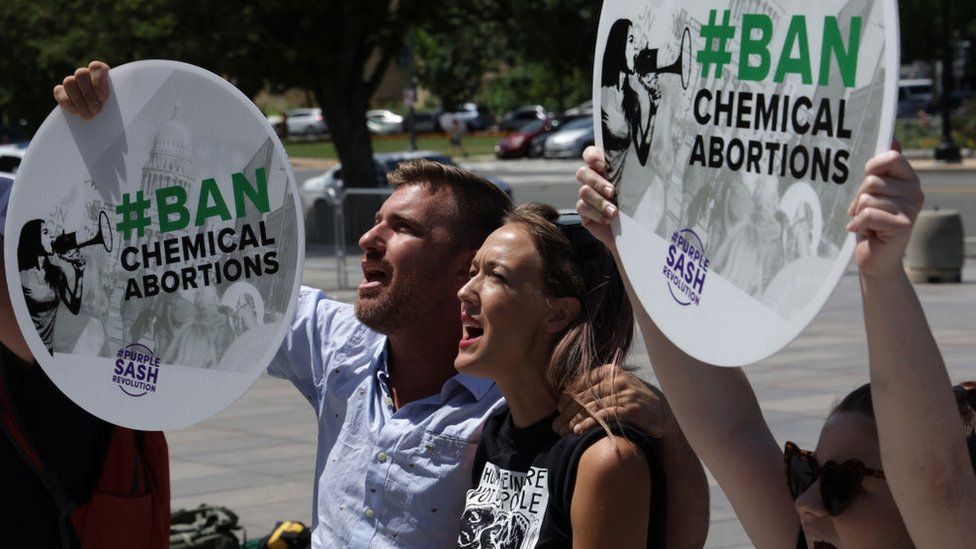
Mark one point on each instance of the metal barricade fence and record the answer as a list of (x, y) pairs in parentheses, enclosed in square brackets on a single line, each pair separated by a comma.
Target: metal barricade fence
[(338, 201)]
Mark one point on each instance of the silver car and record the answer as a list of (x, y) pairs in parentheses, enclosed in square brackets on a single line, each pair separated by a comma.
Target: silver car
[(307, 122), (570, 140), (384, 122)]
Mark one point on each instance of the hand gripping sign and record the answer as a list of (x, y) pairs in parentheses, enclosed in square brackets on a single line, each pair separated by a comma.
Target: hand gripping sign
[(736, 135), (154, 253)]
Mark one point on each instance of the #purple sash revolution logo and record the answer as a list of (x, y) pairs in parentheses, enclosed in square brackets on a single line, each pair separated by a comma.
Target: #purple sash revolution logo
[(685, 267), (136, 370)]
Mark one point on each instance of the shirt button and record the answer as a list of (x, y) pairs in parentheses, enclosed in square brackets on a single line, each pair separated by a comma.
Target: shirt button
[(370, 513), (381, 457)]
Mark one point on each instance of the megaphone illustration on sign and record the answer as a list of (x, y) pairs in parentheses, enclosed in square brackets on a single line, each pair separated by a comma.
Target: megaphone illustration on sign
[(647, 61), (68, 242)]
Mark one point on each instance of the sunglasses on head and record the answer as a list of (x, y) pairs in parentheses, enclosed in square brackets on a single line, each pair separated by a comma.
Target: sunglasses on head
[(839, 482)]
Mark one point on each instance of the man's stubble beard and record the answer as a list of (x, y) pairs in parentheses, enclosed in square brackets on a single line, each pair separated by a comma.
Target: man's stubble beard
[(402, 303)]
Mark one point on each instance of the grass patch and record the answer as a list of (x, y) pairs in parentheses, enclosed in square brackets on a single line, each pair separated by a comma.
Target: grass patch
[(926, 134), (473, 145)]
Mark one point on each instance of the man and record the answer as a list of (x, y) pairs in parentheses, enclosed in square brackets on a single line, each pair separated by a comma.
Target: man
[(398, 426)]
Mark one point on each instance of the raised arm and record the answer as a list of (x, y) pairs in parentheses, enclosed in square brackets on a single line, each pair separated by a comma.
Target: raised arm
[(923, 447), (715, 407), (72, 297)]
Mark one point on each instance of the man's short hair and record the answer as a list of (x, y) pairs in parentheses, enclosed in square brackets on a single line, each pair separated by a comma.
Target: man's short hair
[(481, 206)]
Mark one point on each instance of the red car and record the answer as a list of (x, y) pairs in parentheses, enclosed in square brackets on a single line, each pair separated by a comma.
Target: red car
[(519, 143)]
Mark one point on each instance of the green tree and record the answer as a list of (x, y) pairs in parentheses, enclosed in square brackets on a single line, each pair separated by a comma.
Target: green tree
[(339, 49), (509, 52), (557, 37), (921, 26), (457, 46), (44, 40)]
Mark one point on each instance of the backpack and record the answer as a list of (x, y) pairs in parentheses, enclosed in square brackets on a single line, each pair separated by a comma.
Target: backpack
[(129, 506), (205, 527)]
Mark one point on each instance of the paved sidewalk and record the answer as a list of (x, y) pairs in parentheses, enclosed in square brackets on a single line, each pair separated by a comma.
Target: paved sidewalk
[(258, 456)]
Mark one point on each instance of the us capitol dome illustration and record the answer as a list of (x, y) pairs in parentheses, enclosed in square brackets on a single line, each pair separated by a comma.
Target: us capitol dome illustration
[(170, 160)]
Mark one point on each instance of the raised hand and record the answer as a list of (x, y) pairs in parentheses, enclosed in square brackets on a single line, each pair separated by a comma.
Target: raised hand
[(614, 394), (595, 204), (84, 92), (884, 211)]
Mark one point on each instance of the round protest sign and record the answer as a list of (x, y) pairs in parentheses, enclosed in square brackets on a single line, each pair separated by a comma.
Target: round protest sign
[(736, 136), (154, 253)]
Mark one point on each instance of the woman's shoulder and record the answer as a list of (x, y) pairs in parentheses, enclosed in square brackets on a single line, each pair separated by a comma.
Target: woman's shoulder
[(613, 455), (624, 452), (615, 472), (622, 445)]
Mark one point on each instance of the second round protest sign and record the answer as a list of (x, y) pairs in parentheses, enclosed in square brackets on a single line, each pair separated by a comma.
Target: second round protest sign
[(154, 253), (736, 137)]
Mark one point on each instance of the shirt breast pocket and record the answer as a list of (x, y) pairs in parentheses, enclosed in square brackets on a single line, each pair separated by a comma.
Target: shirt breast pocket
[(436, 475)]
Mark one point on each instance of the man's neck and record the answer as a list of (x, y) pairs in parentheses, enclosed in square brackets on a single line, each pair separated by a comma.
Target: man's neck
[(421, 361)]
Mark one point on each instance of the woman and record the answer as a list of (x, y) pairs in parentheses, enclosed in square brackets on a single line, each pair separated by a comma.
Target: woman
[(891, 468), (543, 308), (618, 97), (44, 282)]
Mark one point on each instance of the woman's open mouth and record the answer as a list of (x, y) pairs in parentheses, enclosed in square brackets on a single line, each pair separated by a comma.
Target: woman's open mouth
[(471, 331), (823, 545)]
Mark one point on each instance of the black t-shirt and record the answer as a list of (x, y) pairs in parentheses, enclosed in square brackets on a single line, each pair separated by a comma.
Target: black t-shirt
[(70, 441), (523, 485)]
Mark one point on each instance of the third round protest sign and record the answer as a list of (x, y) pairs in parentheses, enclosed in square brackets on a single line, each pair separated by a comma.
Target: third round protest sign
[(153, 254), (736, 136)]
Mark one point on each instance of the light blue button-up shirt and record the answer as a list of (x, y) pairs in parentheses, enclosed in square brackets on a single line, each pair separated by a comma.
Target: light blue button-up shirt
[(385, 478)]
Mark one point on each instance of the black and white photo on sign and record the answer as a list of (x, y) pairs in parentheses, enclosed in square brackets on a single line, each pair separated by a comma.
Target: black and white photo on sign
[(760, 224), (52, 269), (631, 93)]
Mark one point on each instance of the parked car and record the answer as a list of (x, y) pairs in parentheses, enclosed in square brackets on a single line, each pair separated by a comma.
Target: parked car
[(584, 108), (570, 140), (321, 192), (914, 96), (537, 147), (10, 157), (423, 122), (475, 117), (519, 144), (518, 118), (384, 122), (306, 122)]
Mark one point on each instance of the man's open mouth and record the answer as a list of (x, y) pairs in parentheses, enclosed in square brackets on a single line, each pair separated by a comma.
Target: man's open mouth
[(374, 277)]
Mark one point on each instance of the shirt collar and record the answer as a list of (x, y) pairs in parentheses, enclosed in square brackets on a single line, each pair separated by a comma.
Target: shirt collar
[(478, 387)]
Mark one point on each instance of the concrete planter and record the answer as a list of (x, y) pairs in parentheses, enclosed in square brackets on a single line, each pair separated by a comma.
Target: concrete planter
[(935, 251)]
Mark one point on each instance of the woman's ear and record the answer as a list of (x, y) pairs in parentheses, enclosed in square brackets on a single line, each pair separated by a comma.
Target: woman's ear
[(562, 312)]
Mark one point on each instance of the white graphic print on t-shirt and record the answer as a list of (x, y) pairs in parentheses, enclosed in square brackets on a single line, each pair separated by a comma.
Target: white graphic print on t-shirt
[(505, 511)]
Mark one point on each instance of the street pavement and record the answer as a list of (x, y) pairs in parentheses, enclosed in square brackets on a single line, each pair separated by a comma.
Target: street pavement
[(258, 456)]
